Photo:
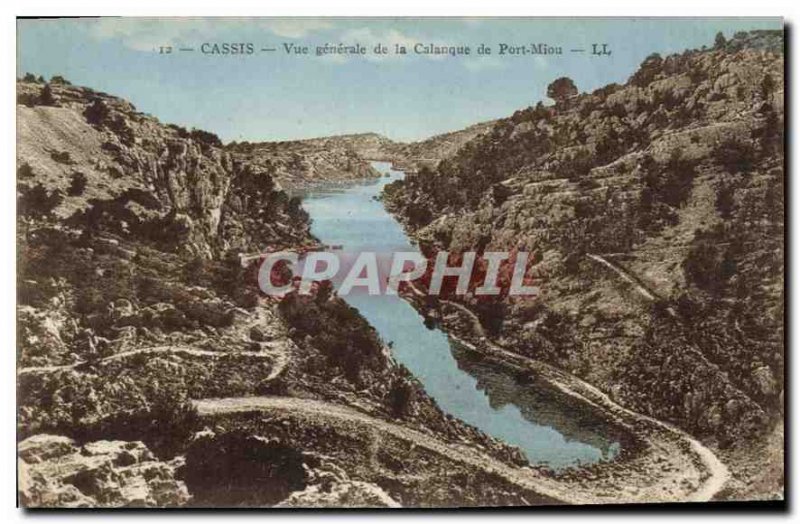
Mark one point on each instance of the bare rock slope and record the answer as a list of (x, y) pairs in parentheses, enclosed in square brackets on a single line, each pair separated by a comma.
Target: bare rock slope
[(55, 471)]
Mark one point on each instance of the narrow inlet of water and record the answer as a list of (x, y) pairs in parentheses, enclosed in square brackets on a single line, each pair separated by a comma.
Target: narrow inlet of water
[(548, 428)]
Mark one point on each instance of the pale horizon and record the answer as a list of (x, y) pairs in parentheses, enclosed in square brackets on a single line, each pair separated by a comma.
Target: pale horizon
[(281, 97)]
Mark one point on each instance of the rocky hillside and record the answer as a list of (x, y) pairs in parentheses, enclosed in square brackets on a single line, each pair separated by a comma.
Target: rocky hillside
[(301, 162), (346, 157), (427, 153), (134, 306), (370, 146), (90, 159), (655, 212)]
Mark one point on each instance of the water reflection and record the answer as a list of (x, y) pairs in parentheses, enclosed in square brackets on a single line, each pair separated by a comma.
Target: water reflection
[(547, 427)]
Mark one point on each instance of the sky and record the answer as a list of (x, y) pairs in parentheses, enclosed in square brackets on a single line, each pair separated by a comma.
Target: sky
[(274, 95)]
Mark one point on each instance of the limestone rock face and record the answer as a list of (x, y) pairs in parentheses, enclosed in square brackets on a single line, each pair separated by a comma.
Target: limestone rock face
[(55, 472), (329, 486), (346, 493), (103, 165), (685, 155), (239, 469)]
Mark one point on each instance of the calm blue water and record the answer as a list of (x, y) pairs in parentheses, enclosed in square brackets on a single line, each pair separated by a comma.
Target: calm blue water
[(537, 421)]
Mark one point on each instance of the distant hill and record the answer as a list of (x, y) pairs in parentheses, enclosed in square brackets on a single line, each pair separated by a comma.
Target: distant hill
[(343, 157), (300, 162), (428, 152), (370, 146)]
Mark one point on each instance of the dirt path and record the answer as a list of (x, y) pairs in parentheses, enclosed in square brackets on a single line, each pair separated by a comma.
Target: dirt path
[(661, 488), (185, 350), (630, 278), (273, 350), (673, 458), (642, 289)]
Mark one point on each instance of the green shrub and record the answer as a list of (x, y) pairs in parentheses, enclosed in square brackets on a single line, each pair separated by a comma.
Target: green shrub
[(709, 266), (37, 201), (46, 97), (97, 112), (24, 171), (735, 156), (77, 184)]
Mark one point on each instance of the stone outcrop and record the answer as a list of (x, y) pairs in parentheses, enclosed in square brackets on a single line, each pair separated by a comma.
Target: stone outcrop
[(96, 161), (56, 472), (413, 156), (338, 494)]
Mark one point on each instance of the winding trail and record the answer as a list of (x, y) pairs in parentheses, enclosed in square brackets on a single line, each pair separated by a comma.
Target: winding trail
[(630, 278), (665, 441), (659, 489), (275, 350), (153, 350), (675, 467)]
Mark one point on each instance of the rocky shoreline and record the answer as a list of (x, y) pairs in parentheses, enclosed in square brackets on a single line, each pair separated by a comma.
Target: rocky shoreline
[(654, 209), (657, 459)]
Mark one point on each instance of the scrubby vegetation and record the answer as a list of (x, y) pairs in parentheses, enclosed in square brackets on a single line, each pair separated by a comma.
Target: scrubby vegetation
[(254, 472), (677, 176), (347, 341), (138, 256), (119, 272)]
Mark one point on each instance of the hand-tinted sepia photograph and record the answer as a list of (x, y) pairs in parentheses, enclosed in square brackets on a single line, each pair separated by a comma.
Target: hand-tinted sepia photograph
[(400, 263)]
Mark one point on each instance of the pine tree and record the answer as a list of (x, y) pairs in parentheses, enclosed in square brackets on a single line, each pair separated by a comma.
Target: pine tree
[(719, 41), (46, 97)]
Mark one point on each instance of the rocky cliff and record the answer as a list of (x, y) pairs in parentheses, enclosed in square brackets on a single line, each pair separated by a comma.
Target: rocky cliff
[(655, 213), (90, 158), (135, 306)]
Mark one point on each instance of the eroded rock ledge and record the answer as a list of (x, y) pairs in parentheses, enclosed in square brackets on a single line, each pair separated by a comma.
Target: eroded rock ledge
[(56, 472)]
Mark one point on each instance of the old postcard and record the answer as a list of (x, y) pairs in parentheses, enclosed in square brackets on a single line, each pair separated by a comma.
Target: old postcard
[(399, 263)]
